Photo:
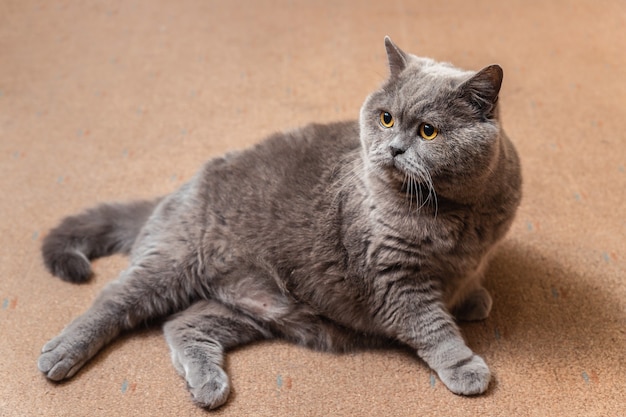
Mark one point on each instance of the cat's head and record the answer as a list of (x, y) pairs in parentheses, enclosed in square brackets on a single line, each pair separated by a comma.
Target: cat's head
[(431, 127)]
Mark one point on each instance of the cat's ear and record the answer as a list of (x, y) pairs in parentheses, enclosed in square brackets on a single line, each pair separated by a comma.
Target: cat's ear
[(482, 89), (396, 57)]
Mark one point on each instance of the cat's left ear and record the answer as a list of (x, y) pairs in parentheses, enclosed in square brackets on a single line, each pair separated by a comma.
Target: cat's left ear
[(482, 89), (397, 57)]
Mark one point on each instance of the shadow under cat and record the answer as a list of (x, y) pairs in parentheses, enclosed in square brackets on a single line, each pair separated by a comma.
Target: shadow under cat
[(547, 315)]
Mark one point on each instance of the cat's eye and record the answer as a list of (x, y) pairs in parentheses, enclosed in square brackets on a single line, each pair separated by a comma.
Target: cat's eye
[(386, 119), (427, 131)]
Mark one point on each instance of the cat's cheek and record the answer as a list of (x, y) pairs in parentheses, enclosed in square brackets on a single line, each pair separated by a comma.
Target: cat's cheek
[(369, 140)]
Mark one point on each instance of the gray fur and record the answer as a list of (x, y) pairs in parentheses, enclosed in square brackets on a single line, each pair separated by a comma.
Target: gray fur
[(332, 236)]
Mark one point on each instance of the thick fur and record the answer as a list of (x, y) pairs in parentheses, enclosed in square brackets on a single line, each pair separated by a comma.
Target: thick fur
[(100, 231), (332, 236)]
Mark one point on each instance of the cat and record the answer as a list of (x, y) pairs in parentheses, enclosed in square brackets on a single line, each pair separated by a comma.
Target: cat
[(339, 236)]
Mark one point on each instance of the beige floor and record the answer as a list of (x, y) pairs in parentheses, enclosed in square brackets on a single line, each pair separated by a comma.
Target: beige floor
[(121, 99)]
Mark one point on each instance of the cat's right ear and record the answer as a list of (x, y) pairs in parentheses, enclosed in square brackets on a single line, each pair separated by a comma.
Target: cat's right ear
[(396, 57)]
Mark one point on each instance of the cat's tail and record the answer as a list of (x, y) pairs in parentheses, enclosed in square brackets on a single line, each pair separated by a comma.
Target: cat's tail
[(100, 231)]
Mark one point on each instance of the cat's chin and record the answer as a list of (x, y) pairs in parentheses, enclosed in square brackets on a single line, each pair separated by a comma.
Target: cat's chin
[(400, 181), (400, 175), (409, 186)]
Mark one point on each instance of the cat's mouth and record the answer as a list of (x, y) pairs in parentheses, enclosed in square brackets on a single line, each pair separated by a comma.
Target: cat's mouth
[(398, 167), (401, 171)]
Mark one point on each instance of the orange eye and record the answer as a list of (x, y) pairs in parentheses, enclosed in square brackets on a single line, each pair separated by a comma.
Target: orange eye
[(386, 119), (428, 132)]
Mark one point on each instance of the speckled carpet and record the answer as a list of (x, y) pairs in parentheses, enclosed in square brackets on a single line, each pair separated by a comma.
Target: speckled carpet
[(114, 100)]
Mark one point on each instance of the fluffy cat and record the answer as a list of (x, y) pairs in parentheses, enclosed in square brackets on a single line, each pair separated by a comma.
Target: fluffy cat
[(332, 236)]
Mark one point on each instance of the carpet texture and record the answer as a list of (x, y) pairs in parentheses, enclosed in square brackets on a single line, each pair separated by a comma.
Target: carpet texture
[(115, 100)]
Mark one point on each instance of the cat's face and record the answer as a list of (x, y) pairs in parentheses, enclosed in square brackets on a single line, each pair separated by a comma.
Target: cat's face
[(431, 127)]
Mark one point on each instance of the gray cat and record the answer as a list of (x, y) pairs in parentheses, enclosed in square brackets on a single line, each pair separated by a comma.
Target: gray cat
[(336, 237)]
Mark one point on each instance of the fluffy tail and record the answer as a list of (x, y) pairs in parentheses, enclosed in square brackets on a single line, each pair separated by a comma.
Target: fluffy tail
[(103, 230)]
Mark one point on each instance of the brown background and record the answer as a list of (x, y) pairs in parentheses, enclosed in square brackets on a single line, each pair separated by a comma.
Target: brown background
[(123, 99)]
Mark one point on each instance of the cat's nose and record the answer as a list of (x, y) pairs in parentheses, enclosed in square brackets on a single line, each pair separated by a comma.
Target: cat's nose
[(398, 146), (396, 150)]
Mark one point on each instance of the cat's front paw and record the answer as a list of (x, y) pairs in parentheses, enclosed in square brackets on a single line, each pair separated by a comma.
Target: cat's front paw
[(62, 357), (209, 385), (469, 377)]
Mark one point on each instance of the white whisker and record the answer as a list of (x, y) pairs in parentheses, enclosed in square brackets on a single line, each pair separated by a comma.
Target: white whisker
[(411, 191), (417, 190), (432, 194), (407, 193)]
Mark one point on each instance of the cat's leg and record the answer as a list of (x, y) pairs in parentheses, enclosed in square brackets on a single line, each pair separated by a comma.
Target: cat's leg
[(146, 290), (476, 305), (416, 315), (440, 344), (198, 338)]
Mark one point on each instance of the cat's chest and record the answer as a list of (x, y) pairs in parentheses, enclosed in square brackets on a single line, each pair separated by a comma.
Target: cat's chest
[(447, 244)]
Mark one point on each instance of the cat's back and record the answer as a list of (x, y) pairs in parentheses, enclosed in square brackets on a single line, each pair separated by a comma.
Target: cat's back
[(308, 149), (276, 182), (286, 165)]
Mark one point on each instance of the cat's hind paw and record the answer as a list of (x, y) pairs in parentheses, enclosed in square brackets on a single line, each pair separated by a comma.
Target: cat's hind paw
[(475, 307), (61, 359), (209, 386), (469, 377)]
